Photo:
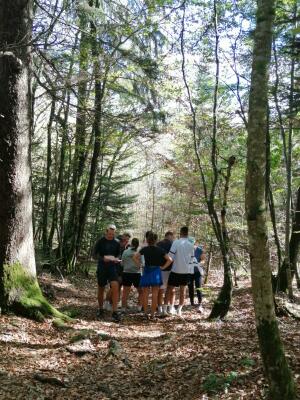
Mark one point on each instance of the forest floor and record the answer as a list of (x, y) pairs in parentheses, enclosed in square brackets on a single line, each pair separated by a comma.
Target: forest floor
[(174, 358)]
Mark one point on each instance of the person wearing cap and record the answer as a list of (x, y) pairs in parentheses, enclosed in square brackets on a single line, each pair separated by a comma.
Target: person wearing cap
[(107, 252)]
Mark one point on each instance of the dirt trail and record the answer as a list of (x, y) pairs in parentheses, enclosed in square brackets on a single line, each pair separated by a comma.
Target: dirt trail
[(174, 358)]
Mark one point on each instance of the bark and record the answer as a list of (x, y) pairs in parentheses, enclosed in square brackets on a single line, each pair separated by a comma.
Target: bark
[(47, 183), (100, 82), (79, 158), (19, 289), (281, 385), (294, 246), (223, 301), (16, 233)]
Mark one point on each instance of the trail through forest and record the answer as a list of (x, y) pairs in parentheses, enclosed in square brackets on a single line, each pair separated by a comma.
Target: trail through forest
[(172, 358)]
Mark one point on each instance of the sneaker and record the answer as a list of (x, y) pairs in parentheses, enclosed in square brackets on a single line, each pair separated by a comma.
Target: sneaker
[(172, 311), (116, 317), (179, 312), (200, 309), (100, 313)]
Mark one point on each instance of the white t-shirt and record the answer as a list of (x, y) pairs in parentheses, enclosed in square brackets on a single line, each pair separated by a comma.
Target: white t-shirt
[(182, 253)]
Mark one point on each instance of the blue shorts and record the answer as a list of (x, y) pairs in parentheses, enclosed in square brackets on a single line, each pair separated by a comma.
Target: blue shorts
[(151, 277), (106, 273)]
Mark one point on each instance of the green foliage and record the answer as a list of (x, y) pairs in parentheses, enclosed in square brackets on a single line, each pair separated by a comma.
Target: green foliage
[(247, 362), (215, 383)]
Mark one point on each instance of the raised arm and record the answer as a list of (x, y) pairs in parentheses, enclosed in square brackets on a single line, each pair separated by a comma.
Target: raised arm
[(167, 263)]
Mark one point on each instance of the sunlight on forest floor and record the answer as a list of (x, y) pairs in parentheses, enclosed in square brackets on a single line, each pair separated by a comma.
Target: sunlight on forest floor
[(173, 358)]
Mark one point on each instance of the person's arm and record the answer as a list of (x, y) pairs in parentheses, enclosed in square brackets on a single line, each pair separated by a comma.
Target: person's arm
[(96, 254), (137, 259), (167, 263), (172, 251), (202, 258)]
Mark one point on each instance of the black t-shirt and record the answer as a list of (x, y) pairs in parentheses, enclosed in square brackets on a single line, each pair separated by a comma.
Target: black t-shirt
[(105, 247), (154, 256), (166, 244)]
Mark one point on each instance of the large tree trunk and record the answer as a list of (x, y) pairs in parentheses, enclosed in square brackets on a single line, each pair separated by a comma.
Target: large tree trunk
[(19, 289), (277, 371)]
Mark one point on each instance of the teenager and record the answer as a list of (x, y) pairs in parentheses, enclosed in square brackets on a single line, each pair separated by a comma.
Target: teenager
[(163, 295), (181, 252), (107, 252), (156, 259), (196, 276), (131, 273)]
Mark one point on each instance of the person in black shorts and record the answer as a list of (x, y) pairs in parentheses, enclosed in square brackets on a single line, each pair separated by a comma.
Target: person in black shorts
[(107, 252), (181, 252), (131, 273)]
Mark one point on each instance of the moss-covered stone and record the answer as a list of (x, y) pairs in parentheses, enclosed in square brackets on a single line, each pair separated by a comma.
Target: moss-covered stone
[(23, 295)]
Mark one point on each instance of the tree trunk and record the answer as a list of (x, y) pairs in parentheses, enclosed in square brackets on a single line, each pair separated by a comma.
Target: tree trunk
[(48, 177), (80, 135), (281, 385), (19, 289)]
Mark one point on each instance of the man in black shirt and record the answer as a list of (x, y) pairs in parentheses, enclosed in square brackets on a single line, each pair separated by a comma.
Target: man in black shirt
[(165, 244), (107, 252)]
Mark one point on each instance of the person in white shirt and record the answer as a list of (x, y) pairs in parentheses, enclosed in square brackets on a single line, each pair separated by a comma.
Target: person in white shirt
[(181, 252)]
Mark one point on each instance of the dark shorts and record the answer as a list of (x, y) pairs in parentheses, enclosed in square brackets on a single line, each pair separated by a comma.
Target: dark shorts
[(131, 278), (106, 274), (178, 279)]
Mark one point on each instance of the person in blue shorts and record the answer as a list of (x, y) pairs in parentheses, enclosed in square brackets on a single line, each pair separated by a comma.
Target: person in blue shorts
[(156, 259)]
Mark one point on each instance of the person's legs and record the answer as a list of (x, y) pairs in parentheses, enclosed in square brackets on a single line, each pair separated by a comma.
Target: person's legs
[(100, 296), (155, 291), (181, 295), (181, 299), (145, 299), (125, 294), (160, 296), (140, 296), (191, 288), (115, 294), (198, 287), (172, 299), (102, 280)]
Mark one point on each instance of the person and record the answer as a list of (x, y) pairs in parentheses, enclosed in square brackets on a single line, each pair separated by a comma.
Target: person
[(124, 242), (131, 273), (107, 251), (156, 259), (163, 296), (196, 275), (181, 252)]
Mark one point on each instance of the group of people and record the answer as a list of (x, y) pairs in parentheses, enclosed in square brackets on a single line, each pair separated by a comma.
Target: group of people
[(154, 266)]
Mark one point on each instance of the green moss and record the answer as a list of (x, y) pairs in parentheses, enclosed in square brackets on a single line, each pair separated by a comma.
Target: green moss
[(60, 324), (24, 296)]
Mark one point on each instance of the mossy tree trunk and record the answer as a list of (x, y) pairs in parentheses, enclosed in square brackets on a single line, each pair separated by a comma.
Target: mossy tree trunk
[(281, 384), (19, 289)]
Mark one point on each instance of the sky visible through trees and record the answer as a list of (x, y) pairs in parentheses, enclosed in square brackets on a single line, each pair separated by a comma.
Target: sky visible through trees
[(152, 115)]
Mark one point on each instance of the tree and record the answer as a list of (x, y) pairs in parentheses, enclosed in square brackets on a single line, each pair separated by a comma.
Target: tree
[(277, 371), (19, 289)]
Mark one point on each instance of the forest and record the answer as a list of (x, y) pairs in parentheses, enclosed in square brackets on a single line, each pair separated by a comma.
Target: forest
[(124, 117)]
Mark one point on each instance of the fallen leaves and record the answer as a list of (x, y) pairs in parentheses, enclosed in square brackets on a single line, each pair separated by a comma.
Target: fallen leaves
[(184, 359)]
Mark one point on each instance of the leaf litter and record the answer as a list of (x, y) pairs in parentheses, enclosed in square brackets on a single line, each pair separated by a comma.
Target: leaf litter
[(186, 358)]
